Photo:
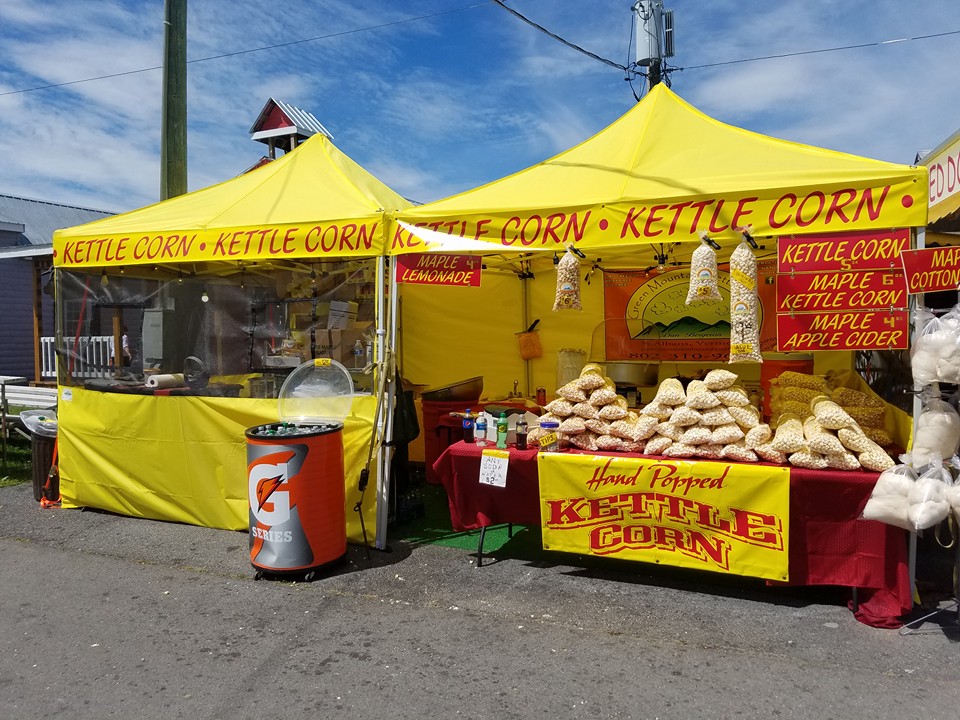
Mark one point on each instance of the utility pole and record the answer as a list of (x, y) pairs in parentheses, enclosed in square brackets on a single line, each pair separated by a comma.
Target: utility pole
[(654, 31), (173, 137)]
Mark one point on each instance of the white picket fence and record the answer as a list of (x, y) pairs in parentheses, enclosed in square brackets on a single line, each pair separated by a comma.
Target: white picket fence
[(92, 356)]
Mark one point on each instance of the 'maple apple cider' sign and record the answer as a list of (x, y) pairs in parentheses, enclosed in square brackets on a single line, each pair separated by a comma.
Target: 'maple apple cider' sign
[(870, 330)]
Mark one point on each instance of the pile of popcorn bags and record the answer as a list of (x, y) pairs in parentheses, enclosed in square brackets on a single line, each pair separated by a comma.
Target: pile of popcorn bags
[(712, 419)]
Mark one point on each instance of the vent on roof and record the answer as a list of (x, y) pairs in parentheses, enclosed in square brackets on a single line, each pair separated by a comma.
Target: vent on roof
[(281, 125)]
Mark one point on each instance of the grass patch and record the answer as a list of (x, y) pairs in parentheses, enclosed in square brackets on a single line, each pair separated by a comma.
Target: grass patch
[(19, 465)]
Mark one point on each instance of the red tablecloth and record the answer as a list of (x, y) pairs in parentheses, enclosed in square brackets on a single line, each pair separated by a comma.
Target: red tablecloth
[(829, 545)]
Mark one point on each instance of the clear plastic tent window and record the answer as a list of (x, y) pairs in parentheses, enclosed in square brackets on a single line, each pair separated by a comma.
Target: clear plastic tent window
[(214, 329)]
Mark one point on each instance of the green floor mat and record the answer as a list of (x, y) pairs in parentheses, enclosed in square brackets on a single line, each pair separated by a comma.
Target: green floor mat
[(422, 517)]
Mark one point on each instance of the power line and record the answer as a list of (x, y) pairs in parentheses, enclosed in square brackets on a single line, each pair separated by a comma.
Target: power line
[(631, 68), (569, 44), (251, 50), (821, 50)]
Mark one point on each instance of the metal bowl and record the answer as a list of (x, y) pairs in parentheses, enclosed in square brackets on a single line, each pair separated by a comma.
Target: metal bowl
[(464, 390), (633, 374)]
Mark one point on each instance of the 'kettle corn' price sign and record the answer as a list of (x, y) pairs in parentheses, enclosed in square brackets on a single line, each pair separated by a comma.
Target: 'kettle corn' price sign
[(835, 252)]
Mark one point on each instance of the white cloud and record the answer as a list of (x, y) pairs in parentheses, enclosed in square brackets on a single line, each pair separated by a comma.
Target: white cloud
[(444, 103)]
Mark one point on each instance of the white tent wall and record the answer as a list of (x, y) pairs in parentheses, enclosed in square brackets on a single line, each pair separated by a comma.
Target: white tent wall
[(451, 334)]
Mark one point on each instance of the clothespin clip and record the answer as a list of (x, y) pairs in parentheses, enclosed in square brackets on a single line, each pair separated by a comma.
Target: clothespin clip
[(745, 231), (595, 266), (576, 251), (708, 240)]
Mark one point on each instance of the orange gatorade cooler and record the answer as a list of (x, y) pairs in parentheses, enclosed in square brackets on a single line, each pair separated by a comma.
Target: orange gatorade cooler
[(295, 475)]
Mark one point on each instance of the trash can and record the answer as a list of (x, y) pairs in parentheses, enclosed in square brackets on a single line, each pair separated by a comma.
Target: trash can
[(42, 426), (295, 475)]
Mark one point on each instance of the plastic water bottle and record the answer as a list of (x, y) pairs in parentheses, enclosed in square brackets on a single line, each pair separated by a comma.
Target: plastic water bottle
[(468, 427), (358, 354), (481, 432), (503, 426)]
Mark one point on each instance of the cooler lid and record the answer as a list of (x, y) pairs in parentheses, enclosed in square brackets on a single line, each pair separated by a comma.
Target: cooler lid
[(319, 390), (40, 422)]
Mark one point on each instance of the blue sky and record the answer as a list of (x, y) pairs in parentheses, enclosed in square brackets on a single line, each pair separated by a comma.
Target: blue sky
[(434, 104)]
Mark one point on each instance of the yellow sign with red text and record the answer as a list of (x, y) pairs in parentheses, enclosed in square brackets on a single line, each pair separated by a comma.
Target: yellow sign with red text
[(722, 517)]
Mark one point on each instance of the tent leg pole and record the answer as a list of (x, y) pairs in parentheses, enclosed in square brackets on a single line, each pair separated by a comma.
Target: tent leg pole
[(483, 532), (386, 341)]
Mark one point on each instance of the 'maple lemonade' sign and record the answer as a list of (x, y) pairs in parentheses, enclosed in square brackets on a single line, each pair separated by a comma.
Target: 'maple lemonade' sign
[(706, 515), (439, 269)]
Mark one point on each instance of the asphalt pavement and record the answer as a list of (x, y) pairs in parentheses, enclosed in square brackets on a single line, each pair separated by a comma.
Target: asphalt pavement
[(106, 616)]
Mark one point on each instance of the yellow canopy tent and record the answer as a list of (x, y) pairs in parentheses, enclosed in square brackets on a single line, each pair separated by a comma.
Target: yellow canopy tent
[(635, 195), (183, 458), (313, 202), (662, 173)]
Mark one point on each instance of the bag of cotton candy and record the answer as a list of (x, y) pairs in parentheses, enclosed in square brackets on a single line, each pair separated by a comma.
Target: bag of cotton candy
[(935, 355), (927, 502), (937, 432), (888, 500)]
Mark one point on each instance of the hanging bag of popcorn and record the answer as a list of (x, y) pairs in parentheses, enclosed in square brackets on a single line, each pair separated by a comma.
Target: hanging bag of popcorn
[(568, 283), (744, 306), (703, 274)]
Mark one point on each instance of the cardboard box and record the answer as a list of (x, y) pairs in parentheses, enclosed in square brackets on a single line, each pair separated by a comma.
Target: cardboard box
[(342, 314), (338, 344)]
